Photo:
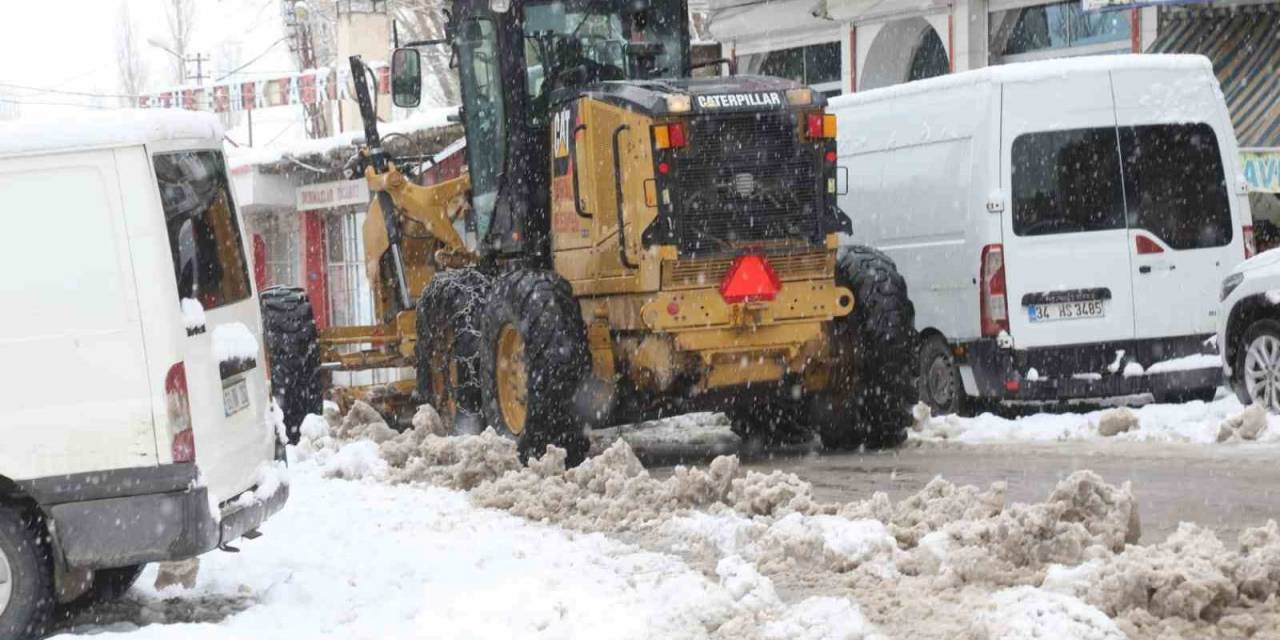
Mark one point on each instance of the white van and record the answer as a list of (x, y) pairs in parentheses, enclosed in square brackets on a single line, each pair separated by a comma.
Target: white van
[(134, 407), (1063, 226)]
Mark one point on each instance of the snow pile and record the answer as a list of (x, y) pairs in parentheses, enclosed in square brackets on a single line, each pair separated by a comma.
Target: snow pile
[(1027, 613), (1194, 422), (234, 341), (115, 127), (1067, 567)]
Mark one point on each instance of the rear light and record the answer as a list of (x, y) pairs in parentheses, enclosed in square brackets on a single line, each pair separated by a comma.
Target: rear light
[(182, 443), (1250, 247), (820, 126), (750, 278), (1147, 246), (669, 136), (993, 296)]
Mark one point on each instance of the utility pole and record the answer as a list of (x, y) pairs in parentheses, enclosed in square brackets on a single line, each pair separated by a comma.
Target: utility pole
[(302, 45), (199, 61)]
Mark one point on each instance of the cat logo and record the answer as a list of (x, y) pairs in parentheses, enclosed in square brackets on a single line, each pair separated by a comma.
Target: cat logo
[(560, 132)]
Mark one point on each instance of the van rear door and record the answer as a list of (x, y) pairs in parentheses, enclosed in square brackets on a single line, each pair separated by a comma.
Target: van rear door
[(221, 351), (1184, 233), (1066, 248)]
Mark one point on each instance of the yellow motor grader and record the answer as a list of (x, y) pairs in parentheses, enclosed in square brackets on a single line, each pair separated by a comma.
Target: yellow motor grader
[(627, 242)]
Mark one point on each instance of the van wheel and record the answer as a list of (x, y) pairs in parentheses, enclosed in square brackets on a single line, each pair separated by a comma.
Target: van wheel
[(773, 423), (107, 585), (533, 361), (939, 381), (448, 350), (289, 329), (26, 574), (870, 401)]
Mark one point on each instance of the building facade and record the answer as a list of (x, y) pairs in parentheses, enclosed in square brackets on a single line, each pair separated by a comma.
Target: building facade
[(845, 46)]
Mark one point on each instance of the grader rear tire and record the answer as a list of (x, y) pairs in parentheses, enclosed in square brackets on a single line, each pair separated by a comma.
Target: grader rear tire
[(448, 350), (533, 361), (870, 404), (289, 330)]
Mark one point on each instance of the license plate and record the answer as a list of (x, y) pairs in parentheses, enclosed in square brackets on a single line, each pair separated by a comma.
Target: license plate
[(235, 397), (1078, 310)]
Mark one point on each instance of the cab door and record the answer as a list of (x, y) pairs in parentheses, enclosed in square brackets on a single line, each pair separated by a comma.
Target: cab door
[(484, 115), (1066, 248), (1182, 237)]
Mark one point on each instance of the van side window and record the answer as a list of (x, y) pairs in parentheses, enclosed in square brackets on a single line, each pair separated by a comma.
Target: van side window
[(204, 235), (1175, 185), (1066, 182)]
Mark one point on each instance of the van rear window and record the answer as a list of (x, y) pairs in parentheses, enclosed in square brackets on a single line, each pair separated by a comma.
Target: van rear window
[(204, 235), (1175, 185), (1066, 182)]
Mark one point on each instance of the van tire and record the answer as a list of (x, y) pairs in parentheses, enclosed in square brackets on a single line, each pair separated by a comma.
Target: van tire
[(875, 345), (939, 377), (448, 349), (536, 310), (24, 543), (108, 585), (289, 329)]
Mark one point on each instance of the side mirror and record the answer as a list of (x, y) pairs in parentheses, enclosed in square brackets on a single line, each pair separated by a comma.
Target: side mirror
[(406, 78)]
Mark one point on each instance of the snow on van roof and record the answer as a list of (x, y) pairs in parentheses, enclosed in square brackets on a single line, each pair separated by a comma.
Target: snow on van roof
[(1030, 72), (112, 128)]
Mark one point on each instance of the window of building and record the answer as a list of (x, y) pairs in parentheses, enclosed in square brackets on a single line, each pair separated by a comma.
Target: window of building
[(281, 240), (1057, 29), (350, 301), (815, 65)]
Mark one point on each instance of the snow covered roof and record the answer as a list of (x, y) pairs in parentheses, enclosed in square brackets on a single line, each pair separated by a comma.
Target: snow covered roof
[(423, 120), (111, 128), (1032, 71)]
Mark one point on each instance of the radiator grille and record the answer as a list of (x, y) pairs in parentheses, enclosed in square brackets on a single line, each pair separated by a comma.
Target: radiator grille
[(710, 272), (745, 177)]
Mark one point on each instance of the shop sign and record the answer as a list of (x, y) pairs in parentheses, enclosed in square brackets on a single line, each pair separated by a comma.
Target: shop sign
[(329, 195), (1262, 170)]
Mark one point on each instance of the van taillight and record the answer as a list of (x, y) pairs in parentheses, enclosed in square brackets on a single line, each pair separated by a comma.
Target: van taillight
[(182, 442), (993, 296), (1250, 247)]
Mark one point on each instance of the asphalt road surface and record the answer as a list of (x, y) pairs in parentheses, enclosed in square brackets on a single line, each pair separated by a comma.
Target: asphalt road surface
[(1224, 487)]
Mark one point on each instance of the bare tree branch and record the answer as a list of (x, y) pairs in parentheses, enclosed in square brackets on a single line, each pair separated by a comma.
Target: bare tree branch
[(131, 66), (181, 18)]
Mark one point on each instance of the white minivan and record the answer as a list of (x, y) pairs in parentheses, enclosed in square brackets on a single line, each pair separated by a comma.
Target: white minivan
[(1063, 226), (134, 422)]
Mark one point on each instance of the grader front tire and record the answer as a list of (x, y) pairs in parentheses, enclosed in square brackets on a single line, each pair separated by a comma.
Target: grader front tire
[(534, 359)]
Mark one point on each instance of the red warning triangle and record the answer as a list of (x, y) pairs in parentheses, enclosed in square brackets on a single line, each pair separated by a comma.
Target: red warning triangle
[(750, 277)]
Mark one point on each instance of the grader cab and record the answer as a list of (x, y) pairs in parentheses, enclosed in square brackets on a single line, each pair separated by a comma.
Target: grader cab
[(628, 242)]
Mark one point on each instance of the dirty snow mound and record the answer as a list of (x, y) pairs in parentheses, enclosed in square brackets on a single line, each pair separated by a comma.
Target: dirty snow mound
[(363, 421), (427, 420), (1117, 421), (462, 462), (1246, 425), (354, 461), (1027, 613), (819, 618)]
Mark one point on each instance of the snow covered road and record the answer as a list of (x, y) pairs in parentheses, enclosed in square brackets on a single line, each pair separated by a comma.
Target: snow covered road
[(415, 535), (361, 559)]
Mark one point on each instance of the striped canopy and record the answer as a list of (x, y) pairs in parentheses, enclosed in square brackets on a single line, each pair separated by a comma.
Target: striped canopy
[(1244, 45)]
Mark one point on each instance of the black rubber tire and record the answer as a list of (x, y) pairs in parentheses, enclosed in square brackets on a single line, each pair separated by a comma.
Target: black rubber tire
[(289, 329), (23, 542), (1251, 333), (108, 585), (540, 306), (772, 423), (945, 394), (448, 324), (869, 404)]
